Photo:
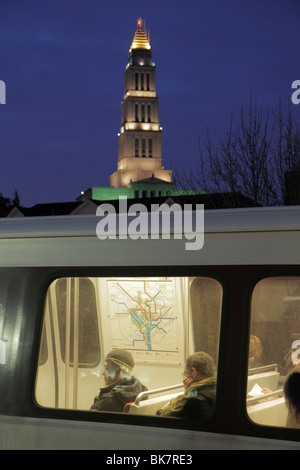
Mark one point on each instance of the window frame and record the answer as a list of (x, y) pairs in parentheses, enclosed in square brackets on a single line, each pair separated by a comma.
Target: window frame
[(230, 414), (124, 418), (259, 273)]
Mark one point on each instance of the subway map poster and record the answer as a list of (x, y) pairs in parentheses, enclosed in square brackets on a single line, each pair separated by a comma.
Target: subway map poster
[(143, 317)]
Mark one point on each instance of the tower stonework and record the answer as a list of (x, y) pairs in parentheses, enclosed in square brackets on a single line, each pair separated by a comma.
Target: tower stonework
[(139, 155)]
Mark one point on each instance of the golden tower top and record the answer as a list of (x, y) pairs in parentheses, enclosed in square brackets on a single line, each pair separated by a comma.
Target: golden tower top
[(140, 40)]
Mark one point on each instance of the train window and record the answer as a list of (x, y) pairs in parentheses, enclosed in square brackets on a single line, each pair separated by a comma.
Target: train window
[(273, 344), (158, 321), (70, 340), (206, 298), (82, 308)]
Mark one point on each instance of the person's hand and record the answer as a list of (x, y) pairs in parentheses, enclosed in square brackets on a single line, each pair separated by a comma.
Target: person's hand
[(187, 382)]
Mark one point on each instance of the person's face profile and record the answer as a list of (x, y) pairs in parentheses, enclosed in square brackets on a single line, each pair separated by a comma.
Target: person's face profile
[(109, 373)]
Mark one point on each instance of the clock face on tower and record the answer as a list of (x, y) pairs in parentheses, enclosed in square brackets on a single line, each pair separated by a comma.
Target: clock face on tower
[(141, 61)]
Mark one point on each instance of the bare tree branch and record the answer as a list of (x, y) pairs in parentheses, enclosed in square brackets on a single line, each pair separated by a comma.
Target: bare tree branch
[(252, 158)]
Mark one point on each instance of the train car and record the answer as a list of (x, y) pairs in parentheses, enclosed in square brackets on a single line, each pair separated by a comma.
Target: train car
[(69, 296)]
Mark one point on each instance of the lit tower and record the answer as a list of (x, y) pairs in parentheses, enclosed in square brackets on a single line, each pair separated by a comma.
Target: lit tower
[(140, 134)]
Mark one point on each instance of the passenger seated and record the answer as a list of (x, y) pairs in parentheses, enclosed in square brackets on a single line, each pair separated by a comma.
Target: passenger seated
[(255, 352), (198, 400), (292, 398), (121, 386)]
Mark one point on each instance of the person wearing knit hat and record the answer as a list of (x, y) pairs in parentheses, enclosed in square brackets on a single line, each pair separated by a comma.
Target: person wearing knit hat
[(121, 358), (121, 386)]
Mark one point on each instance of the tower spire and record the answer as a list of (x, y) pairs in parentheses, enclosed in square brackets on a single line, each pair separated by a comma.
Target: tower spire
[(140, 40)]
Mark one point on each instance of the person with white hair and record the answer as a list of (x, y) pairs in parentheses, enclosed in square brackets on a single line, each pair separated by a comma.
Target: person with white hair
[(199, 380)]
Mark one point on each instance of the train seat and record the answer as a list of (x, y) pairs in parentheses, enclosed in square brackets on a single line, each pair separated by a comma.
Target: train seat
[(145, 404), (151, 406), (268, 379), (269, 413), (127, 407)]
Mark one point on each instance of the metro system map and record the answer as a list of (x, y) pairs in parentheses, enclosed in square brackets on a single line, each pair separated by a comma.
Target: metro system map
[(143, 314)]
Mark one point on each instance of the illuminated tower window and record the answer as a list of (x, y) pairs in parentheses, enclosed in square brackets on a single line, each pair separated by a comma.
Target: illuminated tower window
[(136, 147), (150, 148), (143, 113), (142, 81)]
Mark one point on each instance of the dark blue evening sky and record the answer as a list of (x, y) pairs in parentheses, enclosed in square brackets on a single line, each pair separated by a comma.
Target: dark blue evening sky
[(63, 62)]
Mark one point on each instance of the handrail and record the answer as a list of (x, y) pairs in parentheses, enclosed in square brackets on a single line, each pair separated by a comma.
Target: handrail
[(157, 390), (262, 368), (250, 401)]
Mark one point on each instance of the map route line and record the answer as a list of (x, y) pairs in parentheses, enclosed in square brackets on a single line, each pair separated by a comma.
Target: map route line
[(127, 293)]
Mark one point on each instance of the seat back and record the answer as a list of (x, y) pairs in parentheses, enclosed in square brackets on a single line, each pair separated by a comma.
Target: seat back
[(269, 413), (152, 405)]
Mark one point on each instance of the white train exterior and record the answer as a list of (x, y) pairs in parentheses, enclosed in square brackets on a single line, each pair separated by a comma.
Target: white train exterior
[(217, 295)]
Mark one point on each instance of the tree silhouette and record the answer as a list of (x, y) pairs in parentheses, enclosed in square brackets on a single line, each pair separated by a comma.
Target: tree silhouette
[(6, 204), (252, 159)]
